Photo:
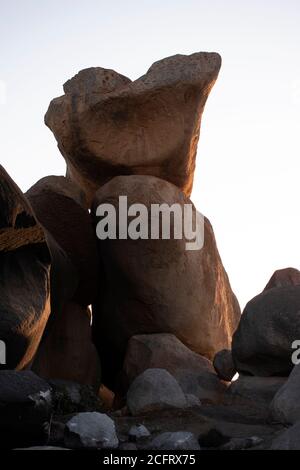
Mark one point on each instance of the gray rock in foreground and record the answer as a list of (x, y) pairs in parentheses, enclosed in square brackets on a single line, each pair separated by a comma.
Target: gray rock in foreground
[(154, 389), (91, 430), (138, 432), (285, 406), (288, 440), (194, 373), (262, 343), (41, 448)]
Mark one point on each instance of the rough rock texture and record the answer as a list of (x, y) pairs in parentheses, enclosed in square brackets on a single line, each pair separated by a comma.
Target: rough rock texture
[(24, 276), (71, 397), (59, 207), (288, 439), (106, 125), (181, 440), (193, 372), (283, 278), (242, 443), (262, 344), (66, 351), (153, 390), (162, 287), (25, 406), (285, 407), (138, 432), (91, 431), (224, 366), (42, 448), (255, 391)]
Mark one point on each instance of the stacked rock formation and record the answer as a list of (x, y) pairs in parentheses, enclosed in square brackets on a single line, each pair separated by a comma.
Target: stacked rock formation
[(135, 321), (140, 319), (136, 139)]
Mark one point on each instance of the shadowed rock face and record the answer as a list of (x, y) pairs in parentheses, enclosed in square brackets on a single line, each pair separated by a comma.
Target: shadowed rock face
[(156, 286), (67, 351), (270, 323), (106, 125), (24, 276)]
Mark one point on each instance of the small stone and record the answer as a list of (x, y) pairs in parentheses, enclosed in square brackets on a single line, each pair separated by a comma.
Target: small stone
[(138, 432), (91, 430), (175, 441), (224, 366), (194, 373), (192, 400)]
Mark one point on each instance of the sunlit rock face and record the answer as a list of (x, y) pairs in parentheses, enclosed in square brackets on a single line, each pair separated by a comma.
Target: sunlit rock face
[(106, 125), (59, 206), (156, 285)]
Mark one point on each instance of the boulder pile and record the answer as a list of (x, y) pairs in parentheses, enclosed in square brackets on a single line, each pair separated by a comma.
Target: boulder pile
[(134, 342)]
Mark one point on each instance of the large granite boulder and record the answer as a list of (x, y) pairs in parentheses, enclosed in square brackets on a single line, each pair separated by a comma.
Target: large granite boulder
[(158, 286), (59, 206), (194, 373), (270, 323), (67, 351), (106, 125), (24, 276)]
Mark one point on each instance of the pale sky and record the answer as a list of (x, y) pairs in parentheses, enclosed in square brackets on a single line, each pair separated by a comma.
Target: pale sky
[(248, 164)]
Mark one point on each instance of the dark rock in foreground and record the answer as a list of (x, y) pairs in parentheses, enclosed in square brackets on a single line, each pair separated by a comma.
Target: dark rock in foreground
[(262, 344), (25, 408)]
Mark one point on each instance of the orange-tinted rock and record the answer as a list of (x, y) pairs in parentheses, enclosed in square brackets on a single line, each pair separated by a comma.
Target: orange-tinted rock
[(59, 205), (106, 125), (157, 286)]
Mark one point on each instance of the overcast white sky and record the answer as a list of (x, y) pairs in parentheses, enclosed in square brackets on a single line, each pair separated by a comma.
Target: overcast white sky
[(248, 165)]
